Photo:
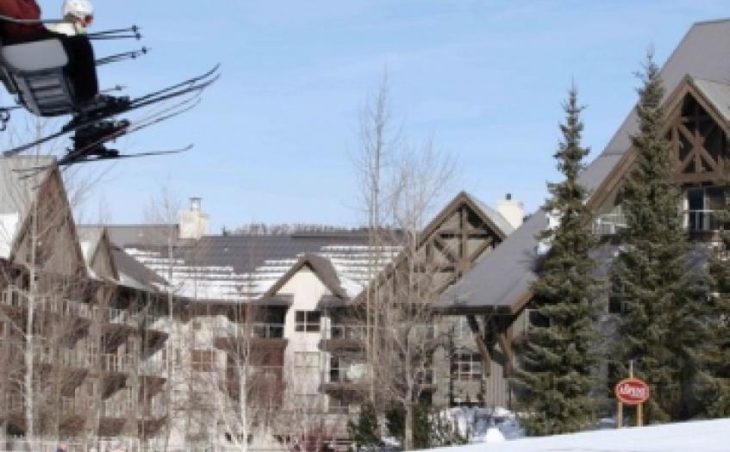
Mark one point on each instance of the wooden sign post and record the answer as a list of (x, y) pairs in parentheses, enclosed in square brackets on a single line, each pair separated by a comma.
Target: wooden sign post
[(633, 392)]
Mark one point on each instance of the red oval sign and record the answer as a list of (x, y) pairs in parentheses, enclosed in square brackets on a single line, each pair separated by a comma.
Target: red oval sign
[(632, 391)]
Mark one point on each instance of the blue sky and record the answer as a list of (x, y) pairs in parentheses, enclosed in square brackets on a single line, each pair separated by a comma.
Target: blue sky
[(275, 136)]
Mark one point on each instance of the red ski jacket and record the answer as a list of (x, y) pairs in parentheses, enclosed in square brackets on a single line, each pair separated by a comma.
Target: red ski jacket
[(20, 9)]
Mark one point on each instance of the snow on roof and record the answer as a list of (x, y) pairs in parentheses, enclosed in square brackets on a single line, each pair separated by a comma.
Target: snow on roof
[(8, 225), (225, 283)]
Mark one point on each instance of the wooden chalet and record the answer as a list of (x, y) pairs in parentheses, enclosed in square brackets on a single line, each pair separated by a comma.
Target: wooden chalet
[(464, 232), (495, 295)]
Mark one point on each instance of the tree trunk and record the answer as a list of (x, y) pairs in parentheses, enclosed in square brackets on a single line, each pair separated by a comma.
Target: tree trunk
[(243, 404), (28, 378), (408, 436)]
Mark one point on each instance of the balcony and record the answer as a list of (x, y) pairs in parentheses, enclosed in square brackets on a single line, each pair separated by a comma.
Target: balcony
[(64, 357), (115, 408), (695, 221), (261, 344), (17, 298), (346, 381), (252, 330), (609, 224), (343, 338), (115, 363), (702, 221), (153, 367)]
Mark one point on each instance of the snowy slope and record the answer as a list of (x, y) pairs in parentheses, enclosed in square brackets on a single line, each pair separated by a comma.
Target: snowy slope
[(701, 436)]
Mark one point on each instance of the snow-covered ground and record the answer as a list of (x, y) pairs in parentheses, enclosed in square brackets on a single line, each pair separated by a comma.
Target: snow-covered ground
[(700, 436), (480, 425)]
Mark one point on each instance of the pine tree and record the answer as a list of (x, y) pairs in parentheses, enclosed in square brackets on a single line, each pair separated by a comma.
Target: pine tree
[(364, 431), (559, 362), (717, 392), (664, 306)]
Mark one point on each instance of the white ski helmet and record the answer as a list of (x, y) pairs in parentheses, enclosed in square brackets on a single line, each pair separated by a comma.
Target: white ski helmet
[(81, 9)]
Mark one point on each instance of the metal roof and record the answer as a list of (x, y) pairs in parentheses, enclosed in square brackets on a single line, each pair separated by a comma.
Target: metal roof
[(18, 188), (502, 279), (497, 218), (134, 274), (240, 268), (718, 93)]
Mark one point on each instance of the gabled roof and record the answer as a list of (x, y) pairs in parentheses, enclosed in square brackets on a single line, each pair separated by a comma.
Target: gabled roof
[(19, 185), (502, 279), (241, 268), (133, 274), (493, 219), (93, 241), (717, 93), (321, 267), (498, 223)]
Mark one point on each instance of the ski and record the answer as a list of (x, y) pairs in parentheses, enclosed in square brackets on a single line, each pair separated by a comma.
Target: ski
[(189, 86), (188, 82), (35, 170), (127, 129), (101, 158), (82, 155)]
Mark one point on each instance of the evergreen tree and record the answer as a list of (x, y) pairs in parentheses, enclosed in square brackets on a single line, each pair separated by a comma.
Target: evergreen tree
[(716, 402), (559, 362), (364, 431), (663, 303)]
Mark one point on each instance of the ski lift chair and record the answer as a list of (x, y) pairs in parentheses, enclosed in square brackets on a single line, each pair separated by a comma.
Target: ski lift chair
[(37, 72)]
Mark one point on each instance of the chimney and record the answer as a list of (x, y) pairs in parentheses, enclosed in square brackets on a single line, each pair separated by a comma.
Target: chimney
[(193, 222), (513, 211)]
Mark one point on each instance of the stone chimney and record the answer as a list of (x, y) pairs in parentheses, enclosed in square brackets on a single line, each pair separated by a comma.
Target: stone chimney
[(513, 211), (193, 222)]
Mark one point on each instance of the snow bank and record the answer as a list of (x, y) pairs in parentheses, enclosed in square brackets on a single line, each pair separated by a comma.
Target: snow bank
[(700, 436), (481, 425)]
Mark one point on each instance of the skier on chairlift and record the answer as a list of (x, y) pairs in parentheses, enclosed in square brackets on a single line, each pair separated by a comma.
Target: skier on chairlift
[(78, 14), (50, 68)]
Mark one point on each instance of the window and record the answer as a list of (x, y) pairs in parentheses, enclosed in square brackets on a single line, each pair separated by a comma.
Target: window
[(307, 321), (702, 205), (203, 360), (466, 367), (616, 299), (309, 403), (306, 360), (462, 329), (536, 319), (338, 405)]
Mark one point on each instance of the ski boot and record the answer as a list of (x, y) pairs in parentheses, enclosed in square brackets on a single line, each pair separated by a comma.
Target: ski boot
[(86, 139), (102, 106)]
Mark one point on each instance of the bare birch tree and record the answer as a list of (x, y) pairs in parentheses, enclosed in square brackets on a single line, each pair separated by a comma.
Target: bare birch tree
[(378, 138), (163, 210), (44, 282), (400, 196)]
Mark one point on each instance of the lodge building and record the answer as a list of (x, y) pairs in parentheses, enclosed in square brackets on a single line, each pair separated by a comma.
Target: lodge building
[(270, 320), (495, 295)]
